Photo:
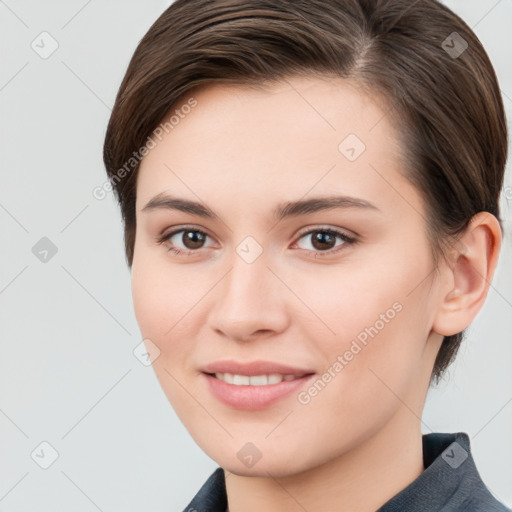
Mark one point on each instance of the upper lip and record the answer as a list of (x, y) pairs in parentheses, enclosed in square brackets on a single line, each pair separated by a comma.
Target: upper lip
[(254, 368)]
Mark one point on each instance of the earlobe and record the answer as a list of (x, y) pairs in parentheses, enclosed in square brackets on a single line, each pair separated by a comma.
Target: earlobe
[(470, 274)]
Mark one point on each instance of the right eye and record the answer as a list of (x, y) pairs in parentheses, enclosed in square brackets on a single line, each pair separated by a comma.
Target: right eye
[(191, 238)]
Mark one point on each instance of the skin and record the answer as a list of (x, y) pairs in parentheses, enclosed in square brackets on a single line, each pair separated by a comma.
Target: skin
[(242, 151)]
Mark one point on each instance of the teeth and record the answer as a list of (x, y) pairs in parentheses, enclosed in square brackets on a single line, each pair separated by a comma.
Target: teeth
[(253, 380), (241, 380), (274, 378)]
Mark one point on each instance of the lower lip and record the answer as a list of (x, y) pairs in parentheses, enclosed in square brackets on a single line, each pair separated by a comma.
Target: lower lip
[(252, 398)]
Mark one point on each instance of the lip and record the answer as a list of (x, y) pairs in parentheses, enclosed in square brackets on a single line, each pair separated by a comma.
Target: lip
[(254, 368), (253, 398)]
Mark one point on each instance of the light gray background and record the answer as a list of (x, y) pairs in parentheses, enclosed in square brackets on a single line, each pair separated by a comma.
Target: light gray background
[(68, 374)]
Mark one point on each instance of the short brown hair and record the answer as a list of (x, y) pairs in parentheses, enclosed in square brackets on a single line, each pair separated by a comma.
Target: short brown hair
[(446, 107)]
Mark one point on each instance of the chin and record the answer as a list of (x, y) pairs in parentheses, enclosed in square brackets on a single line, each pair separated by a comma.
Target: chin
[(278, 463)]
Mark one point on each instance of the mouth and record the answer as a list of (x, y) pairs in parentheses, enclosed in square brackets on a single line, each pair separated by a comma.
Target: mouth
[(254, 392)]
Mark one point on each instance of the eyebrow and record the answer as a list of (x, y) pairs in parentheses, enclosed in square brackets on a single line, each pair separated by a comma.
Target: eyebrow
[(282, 211)]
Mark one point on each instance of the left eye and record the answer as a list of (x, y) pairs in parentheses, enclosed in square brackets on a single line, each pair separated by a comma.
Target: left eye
[(323, 240)]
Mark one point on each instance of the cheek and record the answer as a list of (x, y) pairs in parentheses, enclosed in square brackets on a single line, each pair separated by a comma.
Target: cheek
[(149, 301), (163, 297), (356, 300), (163, 304), (378, 319)]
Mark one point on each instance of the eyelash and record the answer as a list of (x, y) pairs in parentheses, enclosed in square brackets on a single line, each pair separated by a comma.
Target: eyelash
[(348, 240)]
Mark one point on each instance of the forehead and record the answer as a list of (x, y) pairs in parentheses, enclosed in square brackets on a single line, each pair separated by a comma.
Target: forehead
[(271, 140)]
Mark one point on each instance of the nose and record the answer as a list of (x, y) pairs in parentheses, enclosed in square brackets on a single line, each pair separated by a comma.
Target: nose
[(250, 302)]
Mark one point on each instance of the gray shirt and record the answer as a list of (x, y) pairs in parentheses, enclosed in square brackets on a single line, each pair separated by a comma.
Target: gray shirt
[(450, 483)]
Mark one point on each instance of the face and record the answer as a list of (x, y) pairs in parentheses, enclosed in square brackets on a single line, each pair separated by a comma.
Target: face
[(305, 258)]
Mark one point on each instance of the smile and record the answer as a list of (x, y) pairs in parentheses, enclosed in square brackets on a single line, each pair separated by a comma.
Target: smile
[(254, 392), (254, 380)]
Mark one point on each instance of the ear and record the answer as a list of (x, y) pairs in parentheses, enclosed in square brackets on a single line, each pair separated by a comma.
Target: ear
[(468, 274)]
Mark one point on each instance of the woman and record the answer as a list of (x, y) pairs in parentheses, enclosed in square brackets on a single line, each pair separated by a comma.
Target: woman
[(310, 197)]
